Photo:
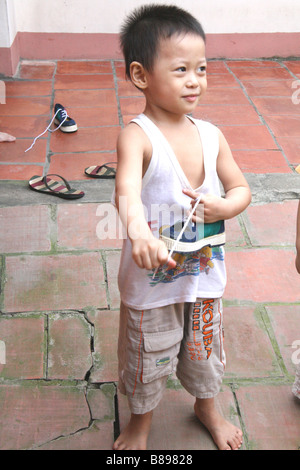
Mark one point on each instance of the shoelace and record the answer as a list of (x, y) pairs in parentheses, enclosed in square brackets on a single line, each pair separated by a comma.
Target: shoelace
[(181, 233), (64, 115)]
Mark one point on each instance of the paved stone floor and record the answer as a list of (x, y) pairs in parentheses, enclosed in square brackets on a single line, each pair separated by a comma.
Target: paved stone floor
[(59, 299)]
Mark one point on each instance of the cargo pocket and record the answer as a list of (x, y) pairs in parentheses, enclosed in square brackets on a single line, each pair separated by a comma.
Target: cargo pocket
[(160, 352)]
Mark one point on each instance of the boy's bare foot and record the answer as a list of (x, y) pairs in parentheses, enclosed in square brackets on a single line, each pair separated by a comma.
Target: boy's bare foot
[(225, 435), (6, 137), (135, 435)]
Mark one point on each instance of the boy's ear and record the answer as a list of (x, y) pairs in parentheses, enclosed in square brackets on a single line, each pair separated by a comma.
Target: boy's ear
[(138, 75)]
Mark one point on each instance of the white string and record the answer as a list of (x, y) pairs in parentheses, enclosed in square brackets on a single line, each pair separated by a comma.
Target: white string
[(181, 233), (65, 115)]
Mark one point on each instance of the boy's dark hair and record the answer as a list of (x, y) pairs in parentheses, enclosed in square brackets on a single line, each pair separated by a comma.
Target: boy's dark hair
[(147, 25)]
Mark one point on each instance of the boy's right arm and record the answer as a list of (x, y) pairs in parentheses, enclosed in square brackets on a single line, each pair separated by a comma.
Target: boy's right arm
[(298, 240), (133, 148)]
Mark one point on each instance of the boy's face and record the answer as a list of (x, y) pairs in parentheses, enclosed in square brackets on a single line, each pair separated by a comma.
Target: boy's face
[(178, 79)]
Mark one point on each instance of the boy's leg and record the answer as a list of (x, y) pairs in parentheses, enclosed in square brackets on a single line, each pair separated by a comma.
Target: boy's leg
[(135, 435), (149, 343), (201, 367), (225, 435)]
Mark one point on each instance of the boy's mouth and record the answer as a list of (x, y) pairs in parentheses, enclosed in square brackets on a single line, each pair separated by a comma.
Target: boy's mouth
[(191, 98)]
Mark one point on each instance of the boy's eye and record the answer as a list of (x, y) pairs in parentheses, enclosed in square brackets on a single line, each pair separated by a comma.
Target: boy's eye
[(181, 69), (202, 69)]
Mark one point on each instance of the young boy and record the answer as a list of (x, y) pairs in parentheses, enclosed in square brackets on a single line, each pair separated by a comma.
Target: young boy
[(166, 159)]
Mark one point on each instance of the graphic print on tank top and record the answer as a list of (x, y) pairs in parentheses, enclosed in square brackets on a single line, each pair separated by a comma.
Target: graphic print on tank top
[(188, 264)]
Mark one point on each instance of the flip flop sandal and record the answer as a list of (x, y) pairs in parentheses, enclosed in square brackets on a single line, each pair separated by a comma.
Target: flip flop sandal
[(44, 184), (103, 171)]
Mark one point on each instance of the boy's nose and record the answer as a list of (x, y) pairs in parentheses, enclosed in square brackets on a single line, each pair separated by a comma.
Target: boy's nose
[(192, 81)]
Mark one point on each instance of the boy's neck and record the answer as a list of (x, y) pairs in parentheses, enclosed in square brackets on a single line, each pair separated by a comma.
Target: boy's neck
[(165, 119)]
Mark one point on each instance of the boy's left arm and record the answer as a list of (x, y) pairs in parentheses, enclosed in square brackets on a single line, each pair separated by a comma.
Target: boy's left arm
[(237, 191)]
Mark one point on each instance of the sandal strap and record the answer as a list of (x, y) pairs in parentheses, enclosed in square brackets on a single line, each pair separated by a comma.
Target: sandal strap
[(53, 190)]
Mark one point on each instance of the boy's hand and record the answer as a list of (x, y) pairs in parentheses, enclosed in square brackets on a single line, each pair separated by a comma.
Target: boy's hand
[(150, 254), (212, 207)]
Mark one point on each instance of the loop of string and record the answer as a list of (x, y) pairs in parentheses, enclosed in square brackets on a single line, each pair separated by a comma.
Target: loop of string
[(65, 116), (181, 233)]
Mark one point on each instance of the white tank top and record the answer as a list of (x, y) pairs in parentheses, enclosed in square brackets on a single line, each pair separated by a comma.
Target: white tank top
[(197, 275)]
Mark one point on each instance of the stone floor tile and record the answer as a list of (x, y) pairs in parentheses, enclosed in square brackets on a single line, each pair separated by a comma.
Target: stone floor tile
[(90, 98), (221, 80), (280, 228), (112, 269), (98, 228), (214, 96), (216, 66), (24, 127), (271, 415), (227, 115), (98, 436), (33, 414), (24, 229), (84, 67), (235, 64), (293, 66), (72, 165), (94, 117), (69, 349), (15, 152), (24, 358), (83, 82), (284, 126), (249, 138), (234, 233), (249, 274), (20, 172), (59, 415), (28, 88), (101, 400), (106, 325), (94, 139), (285, 321), (175, 426), (249, 352), (37, 70), (261, 161), (33, 106), (132, 106), (276, 105), (58, 282), (259, 73), (269, 88), (291, 148)]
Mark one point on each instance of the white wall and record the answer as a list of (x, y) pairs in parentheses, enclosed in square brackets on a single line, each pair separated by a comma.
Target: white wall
[(8, 28), (106, 16)]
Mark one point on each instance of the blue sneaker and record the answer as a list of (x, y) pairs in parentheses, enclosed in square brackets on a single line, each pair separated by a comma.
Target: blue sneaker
[(65, 123), (195, 236)]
